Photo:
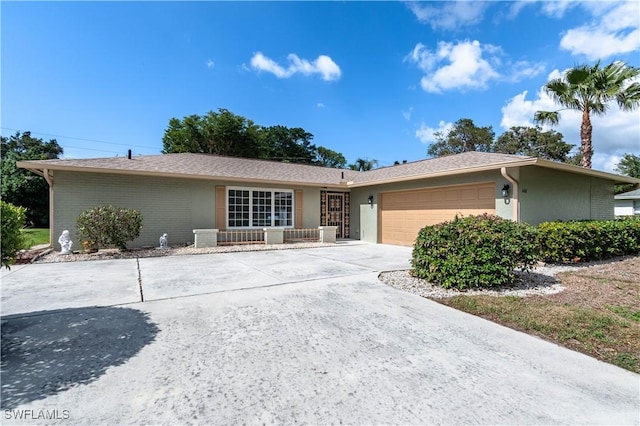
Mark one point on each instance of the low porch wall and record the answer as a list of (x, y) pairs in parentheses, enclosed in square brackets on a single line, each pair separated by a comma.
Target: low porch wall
[(215, 237)]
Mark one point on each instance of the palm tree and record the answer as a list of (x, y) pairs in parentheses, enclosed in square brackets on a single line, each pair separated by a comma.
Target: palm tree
[(590, 90), (363, 165)]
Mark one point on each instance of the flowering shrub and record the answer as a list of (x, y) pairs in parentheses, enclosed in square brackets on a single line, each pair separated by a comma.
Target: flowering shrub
[(109, 226), (474, 252)]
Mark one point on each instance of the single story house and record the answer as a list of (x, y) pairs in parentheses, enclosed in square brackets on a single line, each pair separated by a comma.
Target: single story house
[(177, 193), (628, 203)]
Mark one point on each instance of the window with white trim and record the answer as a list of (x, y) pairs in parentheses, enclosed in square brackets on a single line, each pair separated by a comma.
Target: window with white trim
[(259, 207)]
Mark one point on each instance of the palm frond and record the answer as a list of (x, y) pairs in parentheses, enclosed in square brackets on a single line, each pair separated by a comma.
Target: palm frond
[(547, 117)]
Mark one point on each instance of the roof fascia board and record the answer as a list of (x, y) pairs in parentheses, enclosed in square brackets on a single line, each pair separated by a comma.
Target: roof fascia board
[(578, 169)]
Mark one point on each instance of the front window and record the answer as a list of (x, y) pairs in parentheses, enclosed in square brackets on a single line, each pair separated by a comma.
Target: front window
[(259, 208)]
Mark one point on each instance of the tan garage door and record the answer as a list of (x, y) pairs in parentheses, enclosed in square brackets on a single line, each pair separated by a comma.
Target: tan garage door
[(404, 213)]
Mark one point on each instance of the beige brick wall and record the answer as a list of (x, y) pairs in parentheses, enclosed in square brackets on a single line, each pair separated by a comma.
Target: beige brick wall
[(168, 205), (548, 195)]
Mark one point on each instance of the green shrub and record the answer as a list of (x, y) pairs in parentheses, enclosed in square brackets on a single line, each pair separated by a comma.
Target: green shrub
[(109, 226), (12, 237), (582, 241), (473, 252)]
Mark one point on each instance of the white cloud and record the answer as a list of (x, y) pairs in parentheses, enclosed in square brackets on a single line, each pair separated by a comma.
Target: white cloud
[(557, 8), (426, 134), (522, 70), (320, 105), (210, 64), (614, 27), (614, 30), (323, 65), (407, 114), (614, 134), (449, 15), (466, 65)]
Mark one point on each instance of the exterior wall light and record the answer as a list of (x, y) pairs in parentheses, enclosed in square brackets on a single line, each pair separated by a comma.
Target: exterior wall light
[(505, 190), (370, 200)]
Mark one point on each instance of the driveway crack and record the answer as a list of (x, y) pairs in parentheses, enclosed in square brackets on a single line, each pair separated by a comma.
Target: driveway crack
[(139, 279)]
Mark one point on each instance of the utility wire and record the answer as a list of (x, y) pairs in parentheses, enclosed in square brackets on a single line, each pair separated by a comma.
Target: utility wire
[(82, 139)]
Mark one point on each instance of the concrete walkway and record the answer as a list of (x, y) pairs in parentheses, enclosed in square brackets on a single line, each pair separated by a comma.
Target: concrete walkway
[(314, 337)]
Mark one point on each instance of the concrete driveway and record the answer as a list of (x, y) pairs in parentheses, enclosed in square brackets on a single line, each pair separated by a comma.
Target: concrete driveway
[(314, 337)]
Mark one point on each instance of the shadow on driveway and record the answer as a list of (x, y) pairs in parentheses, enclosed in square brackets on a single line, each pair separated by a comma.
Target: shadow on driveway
[(48, 352)]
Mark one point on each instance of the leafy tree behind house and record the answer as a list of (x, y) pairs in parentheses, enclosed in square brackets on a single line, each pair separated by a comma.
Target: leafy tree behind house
[(326, 157), (289, 145), (589, 90), (629, 165), (464, 136), (533, 142), (226, 133), (221, 133), (21, 187)]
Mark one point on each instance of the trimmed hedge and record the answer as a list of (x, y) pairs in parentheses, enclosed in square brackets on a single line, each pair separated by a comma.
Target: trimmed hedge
[(12, 239), (109, 226), (474, 251), (583, 241)]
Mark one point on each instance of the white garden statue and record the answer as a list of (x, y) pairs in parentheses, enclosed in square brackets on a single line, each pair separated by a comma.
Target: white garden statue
[(163, 241), (65, 242)]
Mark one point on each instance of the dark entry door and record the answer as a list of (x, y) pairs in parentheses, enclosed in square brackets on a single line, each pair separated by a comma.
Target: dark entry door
[(335, 212)]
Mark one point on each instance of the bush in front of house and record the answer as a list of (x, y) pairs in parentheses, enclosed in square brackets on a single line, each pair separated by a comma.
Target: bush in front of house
[(474, 252), (583, 241), (109, 226), (13, 240)]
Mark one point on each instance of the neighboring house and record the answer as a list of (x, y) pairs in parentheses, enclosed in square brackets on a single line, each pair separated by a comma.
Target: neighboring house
[(628, 203), (177, 193)]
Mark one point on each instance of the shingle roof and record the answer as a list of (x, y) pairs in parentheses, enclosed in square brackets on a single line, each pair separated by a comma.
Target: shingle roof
[(453, 163), (631, 195), (216, 167), (204, 166)]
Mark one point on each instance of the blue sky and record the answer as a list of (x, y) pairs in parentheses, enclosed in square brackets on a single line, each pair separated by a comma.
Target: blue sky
[(368, 79)]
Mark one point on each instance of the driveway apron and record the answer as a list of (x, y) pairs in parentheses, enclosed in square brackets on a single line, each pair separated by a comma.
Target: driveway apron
[(313, 337)]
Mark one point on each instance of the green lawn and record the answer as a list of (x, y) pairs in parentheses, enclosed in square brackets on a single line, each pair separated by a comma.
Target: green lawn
[(35, 236), (598, 313)]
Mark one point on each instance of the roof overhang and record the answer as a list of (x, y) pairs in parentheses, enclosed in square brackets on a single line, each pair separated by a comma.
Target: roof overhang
[(497, 166), (39, 168), (57, 167)]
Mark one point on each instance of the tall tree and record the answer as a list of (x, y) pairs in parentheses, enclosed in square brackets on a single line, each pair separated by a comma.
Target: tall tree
[(464, 136), (326, 157), (363, 165), (590, 90), (532, 141), (21, 187)]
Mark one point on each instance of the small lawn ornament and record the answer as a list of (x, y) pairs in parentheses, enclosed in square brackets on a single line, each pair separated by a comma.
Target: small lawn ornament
[(65, 242), (163, 241)]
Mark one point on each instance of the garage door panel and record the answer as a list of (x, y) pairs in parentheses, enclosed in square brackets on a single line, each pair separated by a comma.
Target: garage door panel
[(404, 213), (487, 193), (451, 195)]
